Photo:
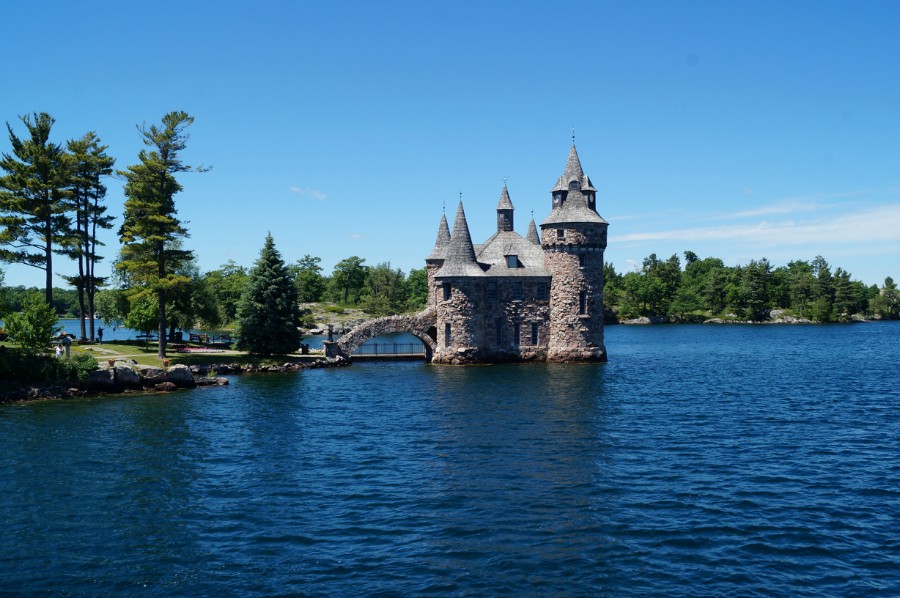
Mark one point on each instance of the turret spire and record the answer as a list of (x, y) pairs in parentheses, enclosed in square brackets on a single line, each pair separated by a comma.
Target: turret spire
[(504, 211), (532, 235), (442, 242), (460, 256)]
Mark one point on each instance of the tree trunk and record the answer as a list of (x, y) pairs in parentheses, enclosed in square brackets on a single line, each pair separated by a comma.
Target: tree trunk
[(162, 324)]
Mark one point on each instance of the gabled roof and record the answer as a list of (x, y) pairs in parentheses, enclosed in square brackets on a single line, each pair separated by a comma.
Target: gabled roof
[(494, 251), (573, 172), (459, 259), (443, 240)]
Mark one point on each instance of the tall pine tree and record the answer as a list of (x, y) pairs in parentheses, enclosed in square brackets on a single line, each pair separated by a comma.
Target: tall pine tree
[(88, 164), (151, 232), (32, 206), (269, 314)]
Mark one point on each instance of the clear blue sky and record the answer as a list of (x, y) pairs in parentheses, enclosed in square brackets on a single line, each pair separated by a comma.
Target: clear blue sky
[(739, 130)]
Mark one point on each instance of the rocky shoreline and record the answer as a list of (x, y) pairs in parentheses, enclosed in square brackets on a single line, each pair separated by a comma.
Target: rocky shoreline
[(775, 317), (128, 376)]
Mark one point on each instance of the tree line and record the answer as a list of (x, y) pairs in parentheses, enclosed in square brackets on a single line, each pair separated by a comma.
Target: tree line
[(707, 288)]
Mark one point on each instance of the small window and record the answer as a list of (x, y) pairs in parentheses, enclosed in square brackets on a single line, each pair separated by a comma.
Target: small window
[(541, 294), (534, 333), (512, 261), (447, 334), (560, 233), (491, 291), (582, 302), (581, 260), (516, 332), (499, 327), (447, 292), (517, 291)]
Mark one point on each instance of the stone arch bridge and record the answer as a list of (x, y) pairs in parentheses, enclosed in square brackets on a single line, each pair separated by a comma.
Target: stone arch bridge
[(422, 325)]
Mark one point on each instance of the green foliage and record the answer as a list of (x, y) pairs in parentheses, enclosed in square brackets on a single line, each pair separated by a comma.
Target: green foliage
[(417, 289), (19, 368), (348, 279), (308, 277), (886, 302), (384, 292), (143, 313), (707, 288), (112, 306), (227, 284), (34, 326), (32, 198), (269, 313), (151, 233)]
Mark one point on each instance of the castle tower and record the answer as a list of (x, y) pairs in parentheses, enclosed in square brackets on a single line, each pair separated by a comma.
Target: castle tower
[(504, 212), (460, 281), (573, 237), (434, 261)]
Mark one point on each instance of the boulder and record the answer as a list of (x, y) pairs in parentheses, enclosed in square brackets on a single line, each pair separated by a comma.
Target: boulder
[(165, 387), (152, 375), (100, 380), (126, 377), (181, 376)]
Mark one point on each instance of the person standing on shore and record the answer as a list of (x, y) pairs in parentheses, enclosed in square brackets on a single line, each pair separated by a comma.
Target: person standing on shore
[(100, 335), (67, 342)]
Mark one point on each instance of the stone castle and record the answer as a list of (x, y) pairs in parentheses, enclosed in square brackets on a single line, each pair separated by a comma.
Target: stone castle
[(515, 298)]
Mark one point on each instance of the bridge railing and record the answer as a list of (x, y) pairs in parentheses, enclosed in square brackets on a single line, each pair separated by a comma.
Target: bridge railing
[(391, 349)]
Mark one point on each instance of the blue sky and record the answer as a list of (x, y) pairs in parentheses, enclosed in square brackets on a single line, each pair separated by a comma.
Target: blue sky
[(736, 130)]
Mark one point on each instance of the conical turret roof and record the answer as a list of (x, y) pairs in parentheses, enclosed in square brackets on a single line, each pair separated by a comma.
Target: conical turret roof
[(460, 257), (505, 202), (573, 172), (443, 241), (532, 235)]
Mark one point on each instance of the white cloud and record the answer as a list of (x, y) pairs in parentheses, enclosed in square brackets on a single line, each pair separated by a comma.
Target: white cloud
[(357, 236), (875, 224), (313, 193)]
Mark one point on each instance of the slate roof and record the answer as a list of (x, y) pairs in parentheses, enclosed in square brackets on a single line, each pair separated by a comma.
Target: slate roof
[(530, 257), (505, 202), (442, 242), (573, 172), (532, 235), (459, 259)]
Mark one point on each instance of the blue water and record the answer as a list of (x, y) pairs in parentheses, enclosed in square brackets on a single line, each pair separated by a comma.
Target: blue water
[(701, 460)]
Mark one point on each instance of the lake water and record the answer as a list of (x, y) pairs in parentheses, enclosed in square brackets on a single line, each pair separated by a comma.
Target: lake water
[(701, 460)]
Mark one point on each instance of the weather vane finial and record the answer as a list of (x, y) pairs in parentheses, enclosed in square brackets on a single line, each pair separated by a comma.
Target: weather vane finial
[(573, 135), (504, 178)]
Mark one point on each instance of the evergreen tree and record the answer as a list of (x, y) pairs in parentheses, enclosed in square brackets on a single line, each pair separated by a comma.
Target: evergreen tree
[(32, 205), (269, 313), (151, 232), (89, 163)]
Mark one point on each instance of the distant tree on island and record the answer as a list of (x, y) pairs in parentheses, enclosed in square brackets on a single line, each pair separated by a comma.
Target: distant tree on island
[(348, 279), (32, 198), (151, 233), (706, 288), (269, 314)]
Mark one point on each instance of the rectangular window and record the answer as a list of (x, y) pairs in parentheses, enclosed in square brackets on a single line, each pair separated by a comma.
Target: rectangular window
[(517, 291), (581, 260), (582, 302), (446, 291), (541, 294), (534, 333), (491, 291), (447, 334), (499, 325), (516, 333), (512, 261), (560, 233)]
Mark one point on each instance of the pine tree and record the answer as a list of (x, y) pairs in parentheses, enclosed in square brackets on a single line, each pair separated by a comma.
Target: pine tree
[(32, 206), (151, 233), (88, 164), (269, 314)]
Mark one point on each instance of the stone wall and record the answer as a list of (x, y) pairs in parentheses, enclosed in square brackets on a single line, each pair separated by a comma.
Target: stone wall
[(576, 263), (421, 325)]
